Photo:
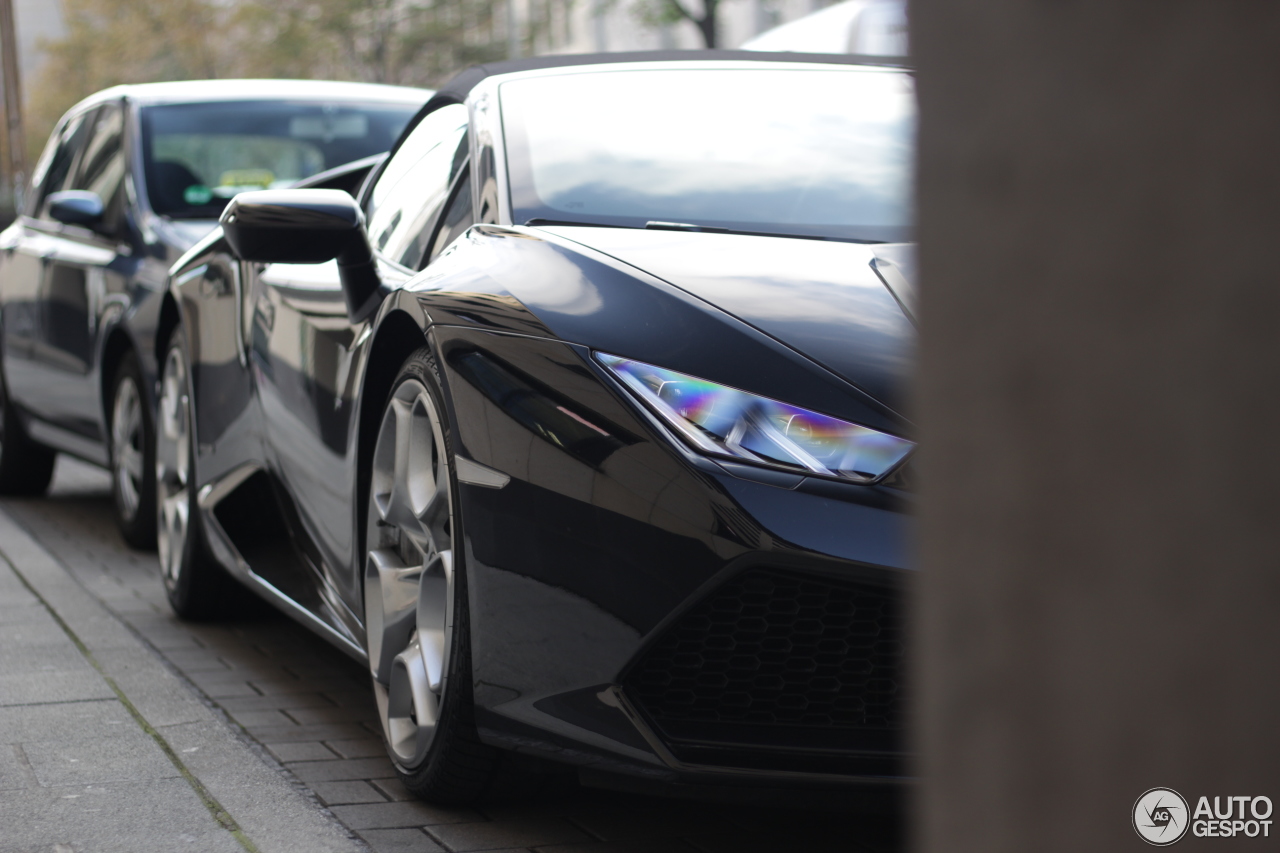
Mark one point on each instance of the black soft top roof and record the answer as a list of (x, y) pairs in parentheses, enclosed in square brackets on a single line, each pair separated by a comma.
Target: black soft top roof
[(457, 89)]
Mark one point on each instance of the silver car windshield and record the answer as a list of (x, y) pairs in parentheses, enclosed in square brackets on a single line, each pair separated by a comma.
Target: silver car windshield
[(812, 152), (200, 155)]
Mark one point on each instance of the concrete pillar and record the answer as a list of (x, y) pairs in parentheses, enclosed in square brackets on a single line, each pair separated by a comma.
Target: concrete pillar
[(1099, 399)]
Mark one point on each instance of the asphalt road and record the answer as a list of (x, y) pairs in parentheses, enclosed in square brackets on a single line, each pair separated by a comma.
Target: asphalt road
[(307, 711)]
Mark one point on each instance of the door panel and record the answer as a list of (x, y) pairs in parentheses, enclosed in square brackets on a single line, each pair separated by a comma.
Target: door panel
[(228, 431), (65, 319), (306, 354), (28, 247), (81, 265), (21, 270), (72, 284)]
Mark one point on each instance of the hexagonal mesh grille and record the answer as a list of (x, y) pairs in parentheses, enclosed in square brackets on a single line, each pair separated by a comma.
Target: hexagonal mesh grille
[(775, 648)]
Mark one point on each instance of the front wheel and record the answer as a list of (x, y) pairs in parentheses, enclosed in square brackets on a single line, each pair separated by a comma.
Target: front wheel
[(197, 587), (415, 598), (133, 450)]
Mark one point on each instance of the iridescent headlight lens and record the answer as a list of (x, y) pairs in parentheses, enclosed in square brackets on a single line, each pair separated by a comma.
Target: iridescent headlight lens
[(724, 421)]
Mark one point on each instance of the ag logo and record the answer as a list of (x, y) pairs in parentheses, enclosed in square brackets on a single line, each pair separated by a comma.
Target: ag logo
[(1160, 816)]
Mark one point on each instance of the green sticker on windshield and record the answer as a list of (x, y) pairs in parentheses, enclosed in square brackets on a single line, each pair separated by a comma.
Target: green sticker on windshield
[(197, 194)]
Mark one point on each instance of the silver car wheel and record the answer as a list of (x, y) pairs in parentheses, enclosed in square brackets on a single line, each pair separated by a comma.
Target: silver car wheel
[(409, 579), (173, 463), (127, 451)]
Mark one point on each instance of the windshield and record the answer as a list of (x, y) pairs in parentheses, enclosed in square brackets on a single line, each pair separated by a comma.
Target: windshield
[(200, 155), (812, 152)]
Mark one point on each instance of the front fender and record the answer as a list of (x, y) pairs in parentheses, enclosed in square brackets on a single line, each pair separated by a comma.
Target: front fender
[(528, 282)]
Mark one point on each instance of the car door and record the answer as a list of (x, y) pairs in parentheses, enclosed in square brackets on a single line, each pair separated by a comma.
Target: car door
[(27, 249), (83, 264), (309, 356)]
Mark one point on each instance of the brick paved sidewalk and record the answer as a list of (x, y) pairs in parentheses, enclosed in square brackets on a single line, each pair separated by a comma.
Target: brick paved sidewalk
[(308, 712), (102, 749)]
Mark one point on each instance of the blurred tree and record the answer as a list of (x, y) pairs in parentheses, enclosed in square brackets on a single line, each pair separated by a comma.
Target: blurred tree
[(123, 41), (403, 42), (406, 42), (546, 26), (666, 12)]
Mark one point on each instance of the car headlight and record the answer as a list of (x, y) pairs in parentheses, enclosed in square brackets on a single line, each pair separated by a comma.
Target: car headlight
[(724, 421)]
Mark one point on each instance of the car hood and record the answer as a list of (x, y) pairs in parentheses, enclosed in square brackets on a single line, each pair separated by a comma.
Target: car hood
[(827, 300)]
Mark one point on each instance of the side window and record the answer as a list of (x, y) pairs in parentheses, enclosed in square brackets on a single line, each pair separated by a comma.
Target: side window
[(54, 169), (102, 165), (458, 217), (424, 224), (411, 190)]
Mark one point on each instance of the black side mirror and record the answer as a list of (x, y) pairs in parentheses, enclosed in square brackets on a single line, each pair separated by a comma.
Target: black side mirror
[(76, 207), (306, 227)]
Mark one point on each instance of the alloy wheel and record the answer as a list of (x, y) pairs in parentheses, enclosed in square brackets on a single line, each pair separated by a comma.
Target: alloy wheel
[(409, 582), (173, 465), (127, 452)]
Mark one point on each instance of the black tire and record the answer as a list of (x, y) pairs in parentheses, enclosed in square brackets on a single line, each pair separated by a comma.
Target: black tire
[(458, 769), (25, 467), (198, 587), (133, 456)]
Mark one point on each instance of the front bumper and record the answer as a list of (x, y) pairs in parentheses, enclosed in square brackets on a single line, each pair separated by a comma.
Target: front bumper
[(639, 610)]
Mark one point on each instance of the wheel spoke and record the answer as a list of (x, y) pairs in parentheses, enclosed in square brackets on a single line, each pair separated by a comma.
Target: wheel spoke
[(131, 461), (126, 412), (393, 589), (412, 707), (434, 599), (173, 514), (434, 516), (175, 507), (423, 486), (392, 469), (433, 507), (126, 438), (401, 514), (182, 460)]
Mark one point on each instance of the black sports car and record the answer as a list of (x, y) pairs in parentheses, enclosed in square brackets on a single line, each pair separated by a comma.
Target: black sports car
[(581, 424), (131, 178)]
